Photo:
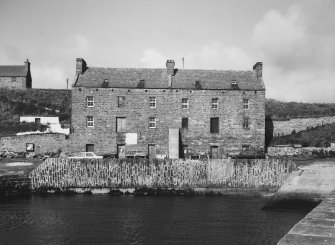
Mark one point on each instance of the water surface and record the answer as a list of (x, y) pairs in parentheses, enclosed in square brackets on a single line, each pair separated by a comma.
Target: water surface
[(104, 219)]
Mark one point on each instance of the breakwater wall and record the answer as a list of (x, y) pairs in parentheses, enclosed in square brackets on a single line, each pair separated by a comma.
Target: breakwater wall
[(159, 173)]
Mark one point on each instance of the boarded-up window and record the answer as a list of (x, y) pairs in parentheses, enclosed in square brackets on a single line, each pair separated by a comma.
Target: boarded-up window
[(120, 124), (214, 127), (184, 123), (121, 101)]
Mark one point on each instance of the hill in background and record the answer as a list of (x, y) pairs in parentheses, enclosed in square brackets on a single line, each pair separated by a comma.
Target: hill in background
[(287, 110), (32, 102)]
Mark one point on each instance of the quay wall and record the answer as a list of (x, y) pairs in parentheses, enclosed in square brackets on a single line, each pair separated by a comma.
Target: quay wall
[(160, 173)]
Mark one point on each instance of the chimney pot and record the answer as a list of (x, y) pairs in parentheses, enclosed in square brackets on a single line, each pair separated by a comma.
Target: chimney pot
[(258, 68), (80, 66)]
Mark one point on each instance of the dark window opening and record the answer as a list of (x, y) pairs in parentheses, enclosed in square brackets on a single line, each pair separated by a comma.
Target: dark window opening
[(89, 147), (246, 123), (184, 123), (38, 120), (214, 125)]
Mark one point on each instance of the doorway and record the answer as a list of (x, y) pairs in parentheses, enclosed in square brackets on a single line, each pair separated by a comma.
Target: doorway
[(214, 152), (121, 151), (152, 151)]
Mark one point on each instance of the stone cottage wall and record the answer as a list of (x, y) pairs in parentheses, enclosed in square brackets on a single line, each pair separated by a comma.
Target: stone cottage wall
[(7, 82), (44, 143), (117, 173)]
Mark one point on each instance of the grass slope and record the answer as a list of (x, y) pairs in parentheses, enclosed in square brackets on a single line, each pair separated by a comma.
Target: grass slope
[(287, 110), (33, 102), (320, 136)]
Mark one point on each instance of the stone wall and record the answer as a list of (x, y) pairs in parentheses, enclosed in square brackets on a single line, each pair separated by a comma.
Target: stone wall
[(299, 124), (44, 143), (7, 82), (302, 151), (168, 114), (117, 173)]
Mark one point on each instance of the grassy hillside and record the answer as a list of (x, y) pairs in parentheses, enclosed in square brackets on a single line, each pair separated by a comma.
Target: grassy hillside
[(320, 136), (32, 102), (286, 110)]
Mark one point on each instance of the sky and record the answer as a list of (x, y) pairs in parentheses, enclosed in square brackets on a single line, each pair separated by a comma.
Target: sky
[(293, 38)]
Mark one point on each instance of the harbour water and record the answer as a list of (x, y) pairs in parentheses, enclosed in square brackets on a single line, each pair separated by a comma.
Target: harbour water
[(105, 219)]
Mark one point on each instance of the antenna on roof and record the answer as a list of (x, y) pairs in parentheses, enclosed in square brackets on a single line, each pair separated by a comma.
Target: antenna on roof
[(182, 59)]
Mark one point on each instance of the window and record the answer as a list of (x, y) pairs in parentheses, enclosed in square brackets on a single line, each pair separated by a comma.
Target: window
[(245, 104), (245, 148), (90, 121), (121, 101), (246, 123), (184, 103), (14, 79), (120, 124), (152, 122), (89, 147), (38, 120), (152, 102), (214, 126), (184, 123), (90, 101), (215, 103)]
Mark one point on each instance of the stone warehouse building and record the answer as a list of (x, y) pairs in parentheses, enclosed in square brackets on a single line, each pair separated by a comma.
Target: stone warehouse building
[(16, 77), (167, 112)]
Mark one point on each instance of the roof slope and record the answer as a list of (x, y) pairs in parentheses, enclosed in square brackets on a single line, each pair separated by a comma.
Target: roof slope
[(13, 71), (158, 78)]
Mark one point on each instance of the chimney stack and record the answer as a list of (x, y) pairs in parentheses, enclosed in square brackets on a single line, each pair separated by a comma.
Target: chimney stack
[(258, 68), (170, 67), (80, 66), (27, 64), (170, 71)]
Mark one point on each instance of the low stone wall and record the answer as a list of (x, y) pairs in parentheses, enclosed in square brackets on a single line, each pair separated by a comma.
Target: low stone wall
[(43, 143), (118, 173), (301, 152), (299, 124)]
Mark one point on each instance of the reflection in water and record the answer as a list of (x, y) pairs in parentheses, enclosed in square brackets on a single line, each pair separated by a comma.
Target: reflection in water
[(103, 219)]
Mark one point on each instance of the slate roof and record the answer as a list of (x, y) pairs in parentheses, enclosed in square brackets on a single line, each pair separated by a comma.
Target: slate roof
[(13, 71), (94, 77)]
